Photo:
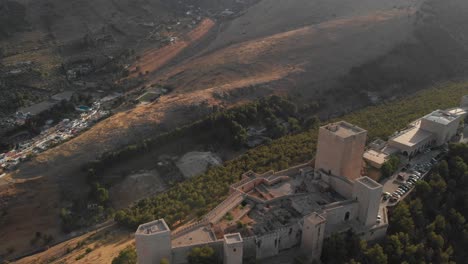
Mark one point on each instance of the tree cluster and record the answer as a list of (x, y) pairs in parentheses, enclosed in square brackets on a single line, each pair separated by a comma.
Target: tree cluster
[(390, 166)]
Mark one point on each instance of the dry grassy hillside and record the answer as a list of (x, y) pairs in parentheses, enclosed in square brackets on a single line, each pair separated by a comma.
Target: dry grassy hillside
[(315, 54), (274, 16)]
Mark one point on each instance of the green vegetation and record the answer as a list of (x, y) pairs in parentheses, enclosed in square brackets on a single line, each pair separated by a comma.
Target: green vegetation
[(83, 213), (390, 166), (126, 256), (429, 227), (182, 202), (229, 216), (202, 255), (349, 248)]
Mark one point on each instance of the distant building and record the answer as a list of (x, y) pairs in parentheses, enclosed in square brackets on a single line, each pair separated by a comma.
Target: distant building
[(432, 130), (412, 140), (36, 109), (442, 124)]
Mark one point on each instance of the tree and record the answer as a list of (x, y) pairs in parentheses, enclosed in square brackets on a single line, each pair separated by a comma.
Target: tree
[(443, 169), (334, 249), (294, 124), (402, 221), (126, 256), (376, 255), (99, 193), (390, 166), (202, 255), (395, 247)]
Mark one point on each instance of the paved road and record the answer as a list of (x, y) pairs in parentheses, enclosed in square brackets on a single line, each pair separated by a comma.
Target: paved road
[(390, 185)]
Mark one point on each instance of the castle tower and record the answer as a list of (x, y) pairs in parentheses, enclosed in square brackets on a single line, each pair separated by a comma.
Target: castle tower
[(340, 149), (233, 249), (153, 242), (368, 193), (313, 233)]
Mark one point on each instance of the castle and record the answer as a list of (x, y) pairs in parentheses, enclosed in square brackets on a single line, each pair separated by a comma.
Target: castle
[(265, 214)]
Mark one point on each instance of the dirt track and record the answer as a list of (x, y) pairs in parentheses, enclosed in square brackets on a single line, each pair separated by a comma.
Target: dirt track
[(153, 59)]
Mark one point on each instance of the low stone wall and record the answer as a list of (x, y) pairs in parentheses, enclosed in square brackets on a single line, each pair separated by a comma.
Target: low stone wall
[(293, 170), (221, 209), (186, 229)]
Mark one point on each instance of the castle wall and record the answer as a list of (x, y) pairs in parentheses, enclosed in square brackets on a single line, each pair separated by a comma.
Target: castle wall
[(250, 247), (375, 233), (289, 236), (338, 184), (267, 245), (340, 212)]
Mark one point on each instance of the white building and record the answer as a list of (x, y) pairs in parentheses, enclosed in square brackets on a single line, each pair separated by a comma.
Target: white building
[(442, 124), (432, 130)]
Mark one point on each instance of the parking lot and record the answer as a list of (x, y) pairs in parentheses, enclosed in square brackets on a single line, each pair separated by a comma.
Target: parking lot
[(408, 174)]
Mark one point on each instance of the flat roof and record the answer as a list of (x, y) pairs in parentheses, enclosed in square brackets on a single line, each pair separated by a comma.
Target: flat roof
[(154, 227), (457, 111), (441, 117), (369, 182), (200, 235), (233, 238), (375, 156), (316, 217), (412, 136), (344, 129)]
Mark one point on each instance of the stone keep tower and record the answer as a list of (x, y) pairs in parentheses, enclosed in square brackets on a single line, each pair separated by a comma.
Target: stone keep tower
[(340, 149), (368, 193), (153, 242), (233, 249), (313, 233)]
